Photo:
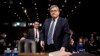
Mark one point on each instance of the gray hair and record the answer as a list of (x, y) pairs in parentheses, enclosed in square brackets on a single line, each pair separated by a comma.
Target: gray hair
[(54, 6)]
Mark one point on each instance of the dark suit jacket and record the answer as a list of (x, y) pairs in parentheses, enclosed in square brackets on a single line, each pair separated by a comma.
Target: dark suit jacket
[(30, 34), (61, 33)]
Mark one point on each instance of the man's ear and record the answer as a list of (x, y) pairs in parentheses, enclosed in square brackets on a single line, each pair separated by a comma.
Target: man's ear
[(33, 24)]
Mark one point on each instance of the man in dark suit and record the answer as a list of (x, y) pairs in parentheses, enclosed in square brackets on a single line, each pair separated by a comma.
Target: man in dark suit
[(33, 37), (55, 32)]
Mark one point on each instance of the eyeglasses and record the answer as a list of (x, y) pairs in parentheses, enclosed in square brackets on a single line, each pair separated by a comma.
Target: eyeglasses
[(53, 10)]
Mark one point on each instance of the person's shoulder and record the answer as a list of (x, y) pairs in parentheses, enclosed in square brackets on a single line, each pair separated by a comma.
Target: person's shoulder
[(47, 19), (30, 29), (63, 19)]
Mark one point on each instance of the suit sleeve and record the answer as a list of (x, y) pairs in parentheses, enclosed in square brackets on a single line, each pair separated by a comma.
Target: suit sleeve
[(28, 33), (66, 33), (42, 32)]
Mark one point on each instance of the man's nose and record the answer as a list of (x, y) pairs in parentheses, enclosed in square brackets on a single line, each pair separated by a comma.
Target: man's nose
[(53, 13)]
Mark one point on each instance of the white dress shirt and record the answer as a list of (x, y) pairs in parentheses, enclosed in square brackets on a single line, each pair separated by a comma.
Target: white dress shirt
[(36, 39)]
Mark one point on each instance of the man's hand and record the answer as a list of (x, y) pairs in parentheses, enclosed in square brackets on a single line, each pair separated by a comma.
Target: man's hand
[(22, 38), (64, 53), (62, 49), (42, 44)]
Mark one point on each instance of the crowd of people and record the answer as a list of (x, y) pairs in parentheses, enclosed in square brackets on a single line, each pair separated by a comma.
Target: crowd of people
[(85, 44)]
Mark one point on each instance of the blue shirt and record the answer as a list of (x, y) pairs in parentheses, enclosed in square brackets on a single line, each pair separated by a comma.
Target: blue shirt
[(80, 47)]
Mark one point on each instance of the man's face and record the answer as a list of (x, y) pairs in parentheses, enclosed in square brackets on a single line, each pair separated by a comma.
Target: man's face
[(54, 12), (36, 25), (25, 34), (80, 40)]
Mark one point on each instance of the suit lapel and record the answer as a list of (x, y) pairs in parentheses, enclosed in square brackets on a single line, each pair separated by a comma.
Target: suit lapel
[(58, 24), (48, 24), (33, 32), (56, 27)]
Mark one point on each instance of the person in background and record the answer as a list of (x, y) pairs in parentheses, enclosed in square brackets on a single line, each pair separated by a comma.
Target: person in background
[(86, 43), (21, 42), (93, 42), (98, 44), (72, 46), (2, 38), (92, 46), (80, 46), (94, 36), (2, 42), (34, 37)]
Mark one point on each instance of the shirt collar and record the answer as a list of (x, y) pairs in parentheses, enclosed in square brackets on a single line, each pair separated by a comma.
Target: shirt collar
[(56, 19), (35, 29)]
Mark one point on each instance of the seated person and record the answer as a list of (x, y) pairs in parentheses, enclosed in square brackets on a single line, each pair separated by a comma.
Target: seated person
[(86, 44), (80, 46), (21, 43), (2, 42), (2, 38), (92, 46), (71, 46)]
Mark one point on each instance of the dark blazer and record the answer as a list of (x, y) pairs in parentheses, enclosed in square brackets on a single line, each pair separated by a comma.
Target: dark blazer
[(30, 34), (61, 33)]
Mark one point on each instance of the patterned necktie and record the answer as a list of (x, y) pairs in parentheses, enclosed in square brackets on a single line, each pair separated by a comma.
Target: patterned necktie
[(50, 38)]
